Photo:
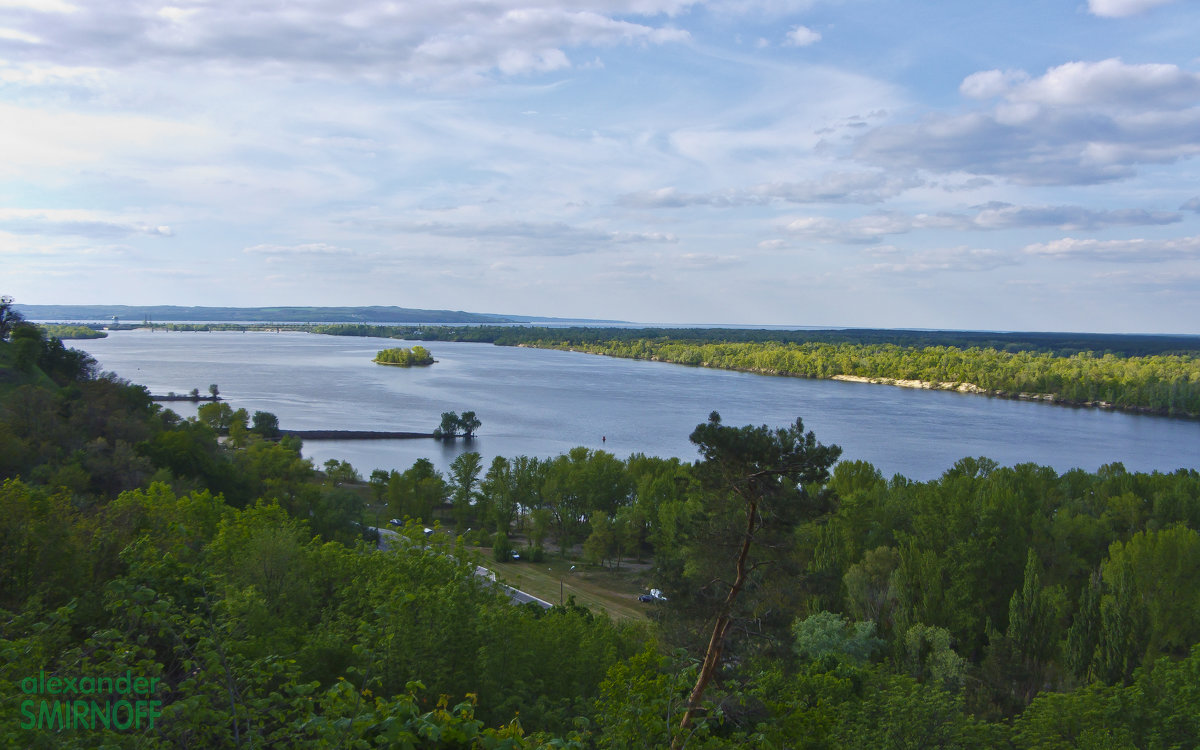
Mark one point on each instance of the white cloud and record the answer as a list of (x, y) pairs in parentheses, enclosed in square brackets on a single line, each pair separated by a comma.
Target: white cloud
[(1004, 215), (802, 36), (862, 230), (832, 187), (79, 222), (1123, 8), (1128, 251), (988, 84), (1191, 205), (33, 139), (515, 62), (40, 6), (682, 262), (839, 187), (19, 36), (455, 39), (309, 249), (49, 75), (956, 259), (1186, 284), (177, 15), (992, 216), (638, 237), (1079, 123), (761, 8), (1111, 83), (534, 238)]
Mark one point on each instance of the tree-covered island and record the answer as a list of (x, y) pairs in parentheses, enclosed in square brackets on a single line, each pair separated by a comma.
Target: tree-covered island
[(418, 356)]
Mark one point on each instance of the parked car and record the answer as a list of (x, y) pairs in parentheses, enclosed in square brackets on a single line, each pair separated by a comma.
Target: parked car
[(396, 522)]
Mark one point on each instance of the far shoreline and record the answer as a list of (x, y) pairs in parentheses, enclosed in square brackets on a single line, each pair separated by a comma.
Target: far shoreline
[(1049, 398)]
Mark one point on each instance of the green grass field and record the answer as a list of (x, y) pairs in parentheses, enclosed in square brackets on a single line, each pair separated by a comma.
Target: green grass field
[(600, 590)]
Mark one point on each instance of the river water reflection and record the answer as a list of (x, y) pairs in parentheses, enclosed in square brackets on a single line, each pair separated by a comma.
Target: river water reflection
[(542, 403)]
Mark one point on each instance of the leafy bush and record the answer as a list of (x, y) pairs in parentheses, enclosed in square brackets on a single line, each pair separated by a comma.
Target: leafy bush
[(501, 547)]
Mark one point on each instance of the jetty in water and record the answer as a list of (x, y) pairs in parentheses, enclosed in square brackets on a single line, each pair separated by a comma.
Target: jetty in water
[(354, 435)]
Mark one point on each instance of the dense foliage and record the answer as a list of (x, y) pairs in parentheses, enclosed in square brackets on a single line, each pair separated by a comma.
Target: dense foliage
[(404, 357), (453, 425), (63, 331), (994, 606), (1161, 383)]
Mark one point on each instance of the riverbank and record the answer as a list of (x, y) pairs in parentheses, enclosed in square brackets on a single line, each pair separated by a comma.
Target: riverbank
[(1049, 398), (933, 385)]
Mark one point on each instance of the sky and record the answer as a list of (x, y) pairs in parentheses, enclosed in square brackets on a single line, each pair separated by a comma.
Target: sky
[(1002, 166)]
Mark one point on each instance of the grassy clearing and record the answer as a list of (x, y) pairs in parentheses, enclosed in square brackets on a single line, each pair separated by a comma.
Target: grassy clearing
[(614, 592)]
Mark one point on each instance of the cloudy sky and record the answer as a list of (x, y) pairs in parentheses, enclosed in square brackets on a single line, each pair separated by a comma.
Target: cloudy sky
[(1020, 165)]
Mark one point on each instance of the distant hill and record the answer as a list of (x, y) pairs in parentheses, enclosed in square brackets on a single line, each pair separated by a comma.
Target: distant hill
[(174, 313)]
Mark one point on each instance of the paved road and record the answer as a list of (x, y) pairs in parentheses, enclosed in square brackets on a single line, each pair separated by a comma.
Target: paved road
[(387, 537)]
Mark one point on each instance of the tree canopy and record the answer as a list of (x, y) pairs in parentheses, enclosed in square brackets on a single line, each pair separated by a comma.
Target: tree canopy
[(417, 356)]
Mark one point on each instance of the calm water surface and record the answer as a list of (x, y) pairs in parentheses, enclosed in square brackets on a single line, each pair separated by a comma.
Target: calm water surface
[(543, 403)]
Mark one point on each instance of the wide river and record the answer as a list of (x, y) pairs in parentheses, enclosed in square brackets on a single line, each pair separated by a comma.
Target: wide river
[(542, 403)]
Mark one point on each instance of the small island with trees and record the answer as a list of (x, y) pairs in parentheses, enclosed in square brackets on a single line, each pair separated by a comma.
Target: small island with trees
[(453, 425), (418, 356)]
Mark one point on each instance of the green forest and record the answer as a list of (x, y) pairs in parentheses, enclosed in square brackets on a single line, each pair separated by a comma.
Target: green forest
[(1153, 374), (809, 602)]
